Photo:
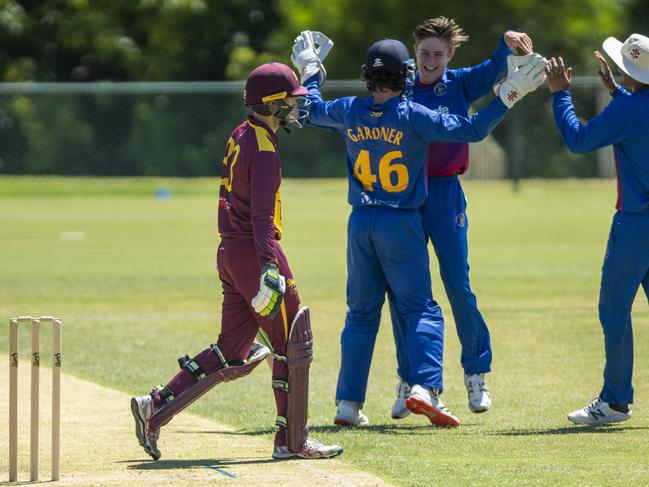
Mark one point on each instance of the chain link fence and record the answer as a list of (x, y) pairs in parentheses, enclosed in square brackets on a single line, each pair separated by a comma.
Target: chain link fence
[(180, 129)]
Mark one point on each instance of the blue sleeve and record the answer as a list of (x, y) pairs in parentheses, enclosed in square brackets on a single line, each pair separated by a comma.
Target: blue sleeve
[(609, 127), (324, 114), (432, 125), (620, 91), (478, 80)]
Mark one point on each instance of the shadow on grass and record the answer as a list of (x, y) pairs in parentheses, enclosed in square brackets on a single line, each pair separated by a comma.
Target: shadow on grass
[(193, 463), (427, 429), (390, 429), (385, 428), (566, 430)]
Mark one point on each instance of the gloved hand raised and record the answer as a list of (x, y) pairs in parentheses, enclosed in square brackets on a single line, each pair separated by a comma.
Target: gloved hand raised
[(272, 286), (524, 75), (309, 50)]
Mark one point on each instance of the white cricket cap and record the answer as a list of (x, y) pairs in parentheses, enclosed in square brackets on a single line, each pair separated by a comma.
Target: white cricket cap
[(632, 56)]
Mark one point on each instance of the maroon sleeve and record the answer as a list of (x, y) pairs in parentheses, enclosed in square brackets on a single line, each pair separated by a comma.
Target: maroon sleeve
[(264, 183)]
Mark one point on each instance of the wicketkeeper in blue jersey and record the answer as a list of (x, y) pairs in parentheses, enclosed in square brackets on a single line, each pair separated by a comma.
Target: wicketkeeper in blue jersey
[(438, 87), (387, 138), (624, 123)]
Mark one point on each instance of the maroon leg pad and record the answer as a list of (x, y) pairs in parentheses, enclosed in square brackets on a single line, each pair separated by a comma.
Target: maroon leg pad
[(183, 380), (299, 354), (163, 415)]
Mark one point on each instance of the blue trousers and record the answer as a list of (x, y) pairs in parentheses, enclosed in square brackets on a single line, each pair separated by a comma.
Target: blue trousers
[(386, 251), (446, 225), (626, 266)]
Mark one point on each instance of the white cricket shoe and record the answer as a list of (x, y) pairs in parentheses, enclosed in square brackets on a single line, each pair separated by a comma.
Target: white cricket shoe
[(142, 410), (311, 449), (399, 408), (349, 414), (423, 400), (598, 412), (479, 397)]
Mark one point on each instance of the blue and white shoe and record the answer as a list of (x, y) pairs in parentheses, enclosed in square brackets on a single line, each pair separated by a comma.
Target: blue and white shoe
[(598, 412)]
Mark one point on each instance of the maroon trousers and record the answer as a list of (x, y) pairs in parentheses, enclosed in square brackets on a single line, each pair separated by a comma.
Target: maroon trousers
[(239, 271)]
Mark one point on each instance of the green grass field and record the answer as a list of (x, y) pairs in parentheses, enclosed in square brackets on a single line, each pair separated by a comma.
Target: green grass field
[(133, 277)]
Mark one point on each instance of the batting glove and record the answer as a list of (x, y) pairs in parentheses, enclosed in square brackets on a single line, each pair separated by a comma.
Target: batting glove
[(272, 286), (524, 75), (309, 50)]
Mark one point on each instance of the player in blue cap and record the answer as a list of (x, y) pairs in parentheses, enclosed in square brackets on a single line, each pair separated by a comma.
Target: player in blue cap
[(625, 125), (387, 138), (438, 87)]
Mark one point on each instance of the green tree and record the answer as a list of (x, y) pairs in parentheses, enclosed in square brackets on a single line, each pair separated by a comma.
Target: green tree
[(558, 27), (639, 15), (87, 40)]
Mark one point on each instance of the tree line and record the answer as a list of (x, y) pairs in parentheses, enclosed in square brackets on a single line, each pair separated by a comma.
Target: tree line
[(214, 40), (162, 40)]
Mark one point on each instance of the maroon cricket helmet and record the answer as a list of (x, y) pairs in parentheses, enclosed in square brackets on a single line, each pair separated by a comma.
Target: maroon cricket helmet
[(271, 81)]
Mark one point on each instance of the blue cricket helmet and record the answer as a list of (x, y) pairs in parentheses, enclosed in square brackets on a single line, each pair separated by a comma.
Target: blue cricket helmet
[(388, 55)]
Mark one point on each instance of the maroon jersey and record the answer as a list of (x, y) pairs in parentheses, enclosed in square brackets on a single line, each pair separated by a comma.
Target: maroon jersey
[(447, 159), (249, 199)]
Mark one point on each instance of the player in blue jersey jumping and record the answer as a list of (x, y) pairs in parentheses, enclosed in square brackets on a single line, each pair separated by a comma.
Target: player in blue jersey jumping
[(452, 91), (387, 138), (625, 125)]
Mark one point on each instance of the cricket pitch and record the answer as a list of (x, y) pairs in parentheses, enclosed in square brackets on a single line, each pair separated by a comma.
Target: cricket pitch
[(98, 445)]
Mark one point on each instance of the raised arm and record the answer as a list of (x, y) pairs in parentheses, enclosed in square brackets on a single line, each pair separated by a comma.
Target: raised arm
[(324, 113), (521, 80), (607, 79), (478, 80), (432, 125), (610, 126), (607, 128), (309, 50)]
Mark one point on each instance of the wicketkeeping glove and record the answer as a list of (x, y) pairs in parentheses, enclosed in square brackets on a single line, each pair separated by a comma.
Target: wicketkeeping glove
[(524, 75), (309, 50), (514, 63), (272, 286)]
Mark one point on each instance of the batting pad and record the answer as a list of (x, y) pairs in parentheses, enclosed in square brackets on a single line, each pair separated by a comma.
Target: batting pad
[(299, 353)]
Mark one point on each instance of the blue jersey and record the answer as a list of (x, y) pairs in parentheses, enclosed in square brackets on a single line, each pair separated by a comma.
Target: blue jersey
[(387, 143), (625, 125), (454, 93)]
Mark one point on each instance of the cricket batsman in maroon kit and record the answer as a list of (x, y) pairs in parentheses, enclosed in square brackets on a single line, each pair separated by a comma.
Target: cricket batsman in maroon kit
[(259, 294)]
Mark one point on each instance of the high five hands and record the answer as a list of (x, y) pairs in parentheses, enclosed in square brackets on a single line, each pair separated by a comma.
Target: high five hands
[(605, 73), (518, 41), (559, 77)]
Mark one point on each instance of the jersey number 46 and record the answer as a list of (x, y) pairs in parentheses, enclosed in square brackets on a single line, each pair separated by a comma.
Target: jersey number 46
[(393, 176)]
